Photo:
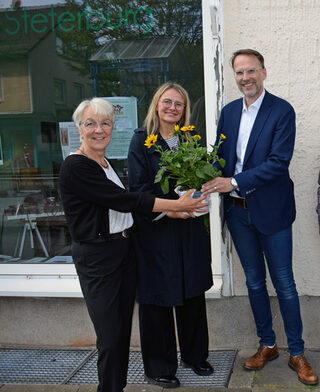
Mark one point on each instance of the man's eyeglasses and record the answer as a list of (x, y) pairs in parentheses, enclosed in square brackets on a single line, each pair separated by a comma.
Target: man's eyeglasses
[(177, 105), (92, 125), (249, 72)]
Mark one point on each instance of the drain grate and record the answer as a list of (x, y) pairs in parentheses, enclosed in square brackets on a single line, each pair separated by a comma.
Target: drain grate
[(77, 367), (222, 361), (38, 366)]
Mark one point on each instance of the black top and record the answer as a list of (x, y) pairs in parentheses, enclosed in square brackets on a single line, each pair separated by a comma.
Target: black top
[(87, 195)]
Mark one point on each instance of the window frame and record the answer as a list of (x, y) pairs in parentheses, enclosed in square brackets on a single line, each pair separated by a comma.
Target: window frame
[(77, 99), (64, 92), (1, 88)]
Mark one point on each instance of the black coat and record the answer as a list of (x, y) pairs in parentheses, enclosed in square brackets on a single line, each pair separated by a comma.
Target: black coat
[(174, 260)]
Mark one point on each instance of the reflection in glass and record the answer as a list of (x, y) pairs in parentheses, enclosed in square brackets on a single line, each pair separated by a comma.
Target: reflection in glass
[(117, 49)]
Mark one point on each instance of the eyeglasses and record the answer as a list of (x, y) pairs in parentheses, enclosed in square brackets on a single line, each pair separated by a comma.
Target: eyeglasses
[(249, 72), (177, 105), (92, 125)]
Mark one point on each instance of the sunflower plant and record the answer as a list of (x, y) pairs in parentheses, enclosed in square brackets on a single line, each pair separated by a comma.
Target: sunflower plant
[(190, 164)]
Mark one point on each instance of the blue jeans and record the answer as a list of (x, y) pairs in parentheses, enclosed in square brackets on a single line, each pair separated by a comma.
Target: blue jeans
[(253, 249)]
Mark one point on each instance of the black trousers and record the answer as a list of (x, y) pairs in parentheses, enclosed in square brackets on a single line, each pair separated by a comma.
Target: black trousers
[(158, 340), (107, 274)]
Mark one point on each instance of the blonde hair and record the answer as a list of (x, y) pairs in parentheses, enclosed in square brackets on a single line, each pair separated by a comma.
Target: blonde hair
[(151, 121), (98, 105)]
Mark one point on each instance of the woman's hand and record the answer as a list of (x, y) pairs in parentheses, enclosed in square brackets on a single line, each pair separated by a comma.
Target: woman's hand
[(188, 204), (184, 204), (180, 215)]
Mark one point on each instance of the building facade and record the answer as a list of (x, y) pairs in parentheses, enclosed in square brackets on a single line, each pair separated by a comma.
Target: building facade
[(41, 81)]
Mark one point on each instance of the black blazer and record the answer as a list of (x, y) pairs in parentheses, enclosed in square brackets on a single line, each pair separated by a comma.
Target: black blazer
[(174, 260), (87, 194)]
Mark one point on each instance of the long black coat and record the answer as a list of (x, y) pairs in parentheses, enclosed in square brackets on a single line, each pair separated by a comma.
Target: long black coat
[(173, 255)]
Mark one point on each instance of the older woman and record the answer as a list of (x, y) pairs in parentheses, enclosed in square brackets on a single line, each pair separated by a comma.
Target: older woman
[(97, 209), (173, 252)]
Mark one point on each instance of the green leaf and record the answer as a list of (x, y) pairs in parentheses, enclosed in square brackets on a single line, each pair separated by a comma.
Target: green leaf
[(165, 185), (159, 175), (222, 162), (209, 170), (200, 173), (181, 181)]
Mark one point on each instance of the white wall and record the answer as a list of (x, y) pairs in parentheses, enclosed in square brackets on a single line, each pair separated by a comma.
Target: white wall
[(287, 33)]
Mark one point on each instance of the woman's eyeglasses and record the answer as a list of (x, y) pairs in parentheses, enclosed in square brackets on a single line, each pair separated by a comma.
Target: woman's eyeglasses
[(92, 125), (167, 103)]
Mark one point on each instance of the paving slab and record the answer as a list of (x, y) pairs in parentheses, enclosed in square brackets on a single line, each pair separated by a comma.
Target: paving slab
[(143, 388), (87, 388), (40, 388), (241, 379), (284, 389), (277, 374)]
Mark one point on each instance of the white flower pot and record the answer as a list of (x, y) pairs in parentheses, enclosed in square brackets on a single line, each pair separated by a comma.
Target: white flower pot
[(195, 195)]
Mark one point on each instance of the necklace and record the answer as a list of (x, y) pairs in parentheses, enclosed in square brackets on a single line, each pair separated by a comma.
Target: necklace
[(104, 164)]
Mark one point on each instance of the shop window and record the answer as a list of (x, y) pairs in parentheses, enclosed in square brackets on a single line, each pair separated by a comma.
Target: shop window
[(142, 48)]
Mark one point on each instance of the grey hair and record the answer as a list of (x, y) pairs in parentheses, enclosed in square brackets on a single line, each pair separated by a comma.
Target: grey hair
[(98, 105)]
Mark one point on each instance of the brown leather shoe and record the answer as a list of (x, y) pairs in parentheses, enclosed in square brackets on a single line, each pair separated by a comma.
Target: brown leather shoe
[(259, 359), (305, 372)]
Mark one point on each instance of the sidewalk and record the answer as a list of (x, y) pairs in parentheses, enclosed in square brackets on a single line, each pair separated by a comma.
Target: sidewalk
[(276, 376)]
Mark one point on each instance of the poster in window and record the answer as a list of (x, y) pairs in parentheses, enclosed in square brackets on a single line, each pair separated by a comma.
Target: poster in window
[(126, 122), (69, 138)]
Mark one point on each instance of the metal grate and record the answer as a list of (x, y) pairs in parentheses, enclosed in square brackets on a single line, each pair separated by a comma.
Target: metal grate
[(77, 367), (38, 366)]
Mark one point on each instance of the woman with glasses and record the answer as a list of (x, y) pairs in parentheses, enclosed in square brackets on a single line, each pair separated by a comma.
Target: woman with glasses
[(173, 252), (97, 210)]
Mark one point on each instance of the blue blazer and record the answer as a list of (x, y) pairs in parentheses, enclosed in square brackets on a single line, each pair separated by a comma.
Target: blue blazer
[(264, 182)]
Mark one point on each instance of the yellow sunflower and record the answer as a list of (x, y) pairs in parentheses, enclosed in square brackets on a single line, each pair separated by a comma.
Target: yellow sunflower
[(150, 140)]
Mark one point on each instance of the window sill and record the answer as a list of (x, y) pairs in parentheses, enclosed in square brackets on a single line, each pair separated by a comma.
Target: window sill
[(36, 280)]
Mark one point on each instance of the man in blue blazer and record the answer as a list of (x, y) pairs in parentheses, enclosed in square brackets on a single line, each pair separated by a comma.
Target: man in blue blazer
[(259, 205)]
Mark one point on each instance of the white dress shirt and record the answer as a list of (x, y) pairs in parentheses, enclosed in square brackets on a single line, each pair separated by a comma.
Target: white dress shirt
[(118, 221), (248, 117)]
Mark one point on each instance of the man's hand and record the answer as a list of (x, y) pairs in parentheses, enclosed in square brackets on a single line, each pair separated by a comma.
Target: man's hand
[(219, 184)]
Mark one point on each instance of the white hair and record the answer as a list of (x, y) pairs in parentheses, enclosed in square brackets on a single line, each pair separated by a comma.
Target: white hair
[(98, 105)]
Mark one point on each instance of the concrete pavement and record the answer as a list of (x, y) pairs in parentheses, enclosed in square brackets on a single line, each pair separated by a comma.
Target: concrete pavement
[(276, 376)]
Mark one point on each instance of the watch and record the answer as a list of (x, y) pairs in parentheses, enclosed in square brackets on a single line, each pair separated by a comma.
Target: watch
[(234, 183)]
